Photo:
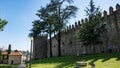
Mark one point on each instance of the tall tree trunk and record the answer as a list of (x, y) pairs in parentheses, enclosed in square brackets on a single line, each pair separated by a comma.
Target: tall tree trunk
[(59, 33), (59, 43), (50, 42), (92, 49)]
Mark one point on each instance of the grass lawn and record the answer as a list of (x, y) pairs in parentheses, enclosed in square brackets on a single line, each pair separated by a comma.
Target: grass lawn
[(100, 60), (7, 66)]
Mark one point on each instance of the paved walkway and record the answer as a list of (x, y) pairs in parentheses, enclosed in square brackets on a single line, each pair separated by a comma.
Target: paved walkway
[(22, 66)]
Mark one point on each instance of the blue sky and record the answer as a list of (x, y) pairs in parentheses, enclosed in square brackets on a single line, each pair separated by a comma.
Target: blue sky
[(21, 13)]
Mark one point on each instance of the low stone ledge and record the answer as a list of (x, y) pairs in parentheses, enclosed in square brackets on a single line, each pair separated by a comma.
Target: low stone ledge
[(81, 64)]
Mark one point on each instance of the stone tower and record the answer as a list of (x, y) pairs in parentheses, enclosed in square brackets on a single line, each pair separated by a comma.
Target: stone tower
[(40, 47)]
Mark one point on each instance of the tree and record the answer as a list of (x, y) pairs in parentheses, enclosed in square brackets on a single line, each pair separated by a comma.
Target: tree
[(63, 14), (2, 24), (0, 55), (92, 10), (44, 24), (52, 19), (91, 28), (9, 50)]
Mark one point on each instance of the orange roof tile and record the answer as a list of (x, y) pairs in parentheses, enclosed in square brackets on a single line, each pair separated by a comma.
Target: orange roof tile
[(13, 53), (4, 53), (16, 53)]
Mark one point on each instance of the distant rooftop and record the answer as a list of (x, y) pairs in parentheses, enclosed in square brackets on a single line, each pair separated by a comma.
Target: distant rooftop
[(15, 53)]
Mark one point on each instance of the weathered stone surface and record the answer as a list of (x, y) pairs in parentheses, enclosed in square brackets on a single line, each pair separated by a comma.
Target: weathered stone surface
[(40, 47), (70, 44), (81, 64)]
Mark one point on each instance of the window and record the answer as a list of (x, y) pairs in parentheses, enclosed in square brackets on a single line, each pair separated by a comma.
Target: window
[(5, 57), (62, 43)]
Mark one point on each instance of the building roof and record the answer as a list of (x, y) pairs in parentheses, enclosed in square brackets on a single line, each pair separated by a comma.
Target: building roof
[(4, 53), (15, 53)]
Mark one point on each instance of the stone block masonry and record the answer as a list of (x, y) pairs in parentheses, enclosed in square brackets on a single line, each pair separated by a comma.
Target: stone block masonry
[(70, 44)]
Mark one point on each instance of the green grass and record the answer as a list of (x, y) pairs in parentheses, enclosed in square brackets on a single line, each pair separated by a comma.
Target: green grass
[(100, 60), (7, 66)]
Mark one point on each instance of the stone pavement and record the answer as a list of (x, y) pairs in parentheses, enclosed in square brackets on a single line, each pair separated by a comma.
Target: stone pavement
[(22, 66)]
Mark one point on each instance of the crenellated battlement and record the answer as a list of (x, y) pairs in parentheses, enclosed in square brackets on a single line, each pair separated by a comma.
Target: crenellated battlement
[(74, 26), (110, 10), (104, 15), (117, 7), (70, 44), (41, 36)]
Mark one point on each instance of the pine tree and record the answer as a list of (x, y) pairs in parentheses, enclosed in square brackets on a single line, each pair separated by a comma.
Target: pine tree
[(9, 51), (89, 33), (92, 10), (53, 18)]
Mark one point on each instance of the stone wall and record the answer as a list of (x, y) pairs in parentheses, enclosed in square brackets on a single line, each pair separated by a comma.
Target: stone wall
[(70, 45), (111, 37), (15, 59), (40, 47)]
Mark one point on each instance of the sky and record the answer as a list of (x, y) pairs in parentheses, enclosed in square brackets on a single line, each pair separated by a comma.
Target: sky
[(21, 13)]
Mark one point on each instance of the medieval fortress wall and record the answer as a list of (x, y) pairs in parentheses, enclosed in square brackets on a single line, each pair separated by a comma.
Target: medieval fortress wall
[(40, 47), (70, 44)]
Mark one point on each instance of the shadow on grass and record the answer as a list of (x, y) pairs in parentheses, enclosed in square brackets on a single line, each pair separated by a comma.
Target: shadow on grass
[(69, 61), (7, 66), (109, 56)]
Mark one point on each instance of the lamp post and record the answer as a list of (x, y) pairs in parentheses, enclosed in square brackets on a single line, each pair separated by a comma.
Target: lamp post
[(31, 40)]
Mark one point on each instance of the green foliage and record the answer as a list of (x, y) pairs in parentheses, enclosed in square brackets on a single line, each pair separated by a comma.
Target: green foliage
[(62, 15), (50, 16), (89, 33), (53, 18), (2, 24), (100, 60), (9, 49), (8, 66), (91, 28), (0, 54), (85, 34), (92, 10)]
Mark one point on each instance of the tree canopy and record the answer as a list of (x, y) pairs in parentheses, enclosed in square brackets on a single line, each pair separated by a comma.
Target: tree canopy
[(63, 14), (53, 18), (2, 24), (92, 10), (89, 33), (9, 50)]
